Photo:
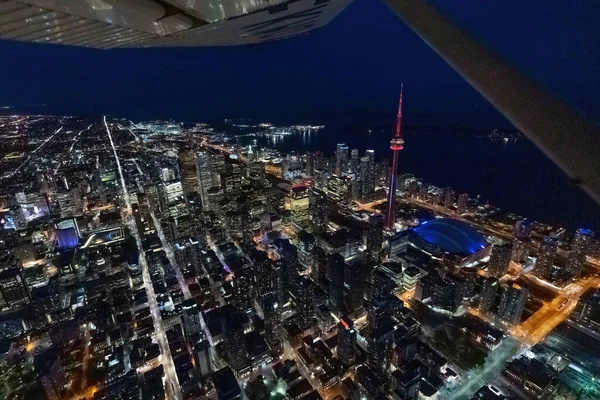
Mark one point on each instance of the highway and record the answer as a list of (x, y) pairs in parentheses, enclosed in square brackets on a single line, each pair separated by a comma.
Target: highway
[(172, 388), (551, 314)]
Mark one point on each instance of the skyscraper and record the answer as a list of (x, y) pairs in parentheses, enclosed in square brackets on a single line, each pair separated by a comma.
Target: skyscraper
[(336, 283), (318, 211), (379, 343), (500, 259), (512, 303), (523, 228), (262, 269), (14, 292), (341, 159), (546, 257), (273, 334), (188, 171), (298, 203), (374, 233), (396, 144), (580, 248), (462, 203), (354, 161), (488, 294), (243, 285), (355, 275), (235, 344), (346, 341), (305, 303), (306, 246), (449, 199)]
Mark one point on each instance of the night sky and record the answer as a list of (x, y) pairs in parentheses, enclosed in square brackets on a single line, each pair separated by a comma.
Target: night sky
[(353, 66)]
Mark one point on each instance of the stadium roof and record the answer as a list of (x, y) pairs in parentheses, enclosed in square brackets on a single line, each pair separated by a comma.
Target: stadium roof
[(452, 236)]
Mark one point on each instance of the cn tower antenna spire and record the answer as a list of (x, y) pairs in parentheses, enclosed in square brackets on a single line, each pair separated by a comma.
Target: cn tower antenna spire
[(396, 144)]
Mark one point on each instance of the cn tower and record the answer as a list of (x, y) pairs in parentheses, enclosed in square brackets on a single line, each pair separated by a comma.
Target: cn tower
[(396, 144)]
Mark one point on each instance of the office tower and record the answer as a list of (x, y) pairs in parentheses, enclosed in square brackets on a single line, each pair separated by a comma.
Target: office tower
[(243, 287), (346, 342), (462, 204), (205, 176), (396, 144), (341, 159), (487, 296), (512, 303), (172, 198), (355, 275), (235, 344), (318, 211), (188, 171), (298, 203), (580, 248), (379, 343), (354, 161), (277, 282), (320, 265), (203, 358), (231, 182), (370, 174), (339, 189), (520, 251), (546, 257), (374, 235), (523, 228), (192, 319), (449, 199), (500, 259), (187, 253), (306, 244), (305, 303), (152, 197), (262, 269), (14, 292), (336, 268), (196, 213), (273, 333)]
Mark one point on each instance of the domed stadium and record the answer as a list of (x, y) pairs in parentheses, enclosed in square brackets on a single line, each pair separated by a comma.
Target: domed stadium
[(451, 236)]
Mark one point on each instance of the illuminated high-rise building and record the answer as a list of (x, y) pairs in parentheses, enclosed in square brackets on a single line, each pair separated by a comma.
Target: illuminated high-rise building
[(235, 344), (243, 288), (306, 246), (341, 159), (488, 294), (319, 212), (374, 236), (354, 161), (346, 341), (273, 333), (298, 203), (14, 292), (449, 198), (523, 229), (462, 204), (188, 171), (500, 259), (546, 256), (580, 248), (512, 303), (396, 144), (336, 269)]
